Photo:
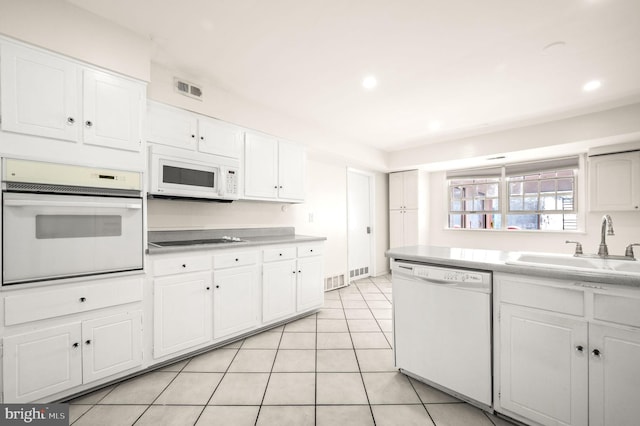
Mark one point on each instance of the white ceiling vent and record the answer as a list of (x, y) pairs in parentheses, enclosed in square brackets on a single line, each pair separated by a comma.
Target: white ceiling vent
[(187, 89)]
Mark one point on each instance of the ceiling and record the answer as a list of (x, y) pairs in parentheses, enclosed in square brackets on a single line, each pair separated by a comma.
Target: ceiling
[(471, 66)]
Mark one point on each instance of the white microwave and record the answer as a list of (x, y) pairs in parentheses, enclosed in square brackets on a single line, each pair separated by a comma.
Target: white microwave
[(178, 173)]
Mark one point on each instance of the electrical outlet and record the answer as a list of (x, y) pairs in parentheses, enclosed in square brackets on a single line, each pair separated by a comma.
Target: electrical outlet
[(310, 217)]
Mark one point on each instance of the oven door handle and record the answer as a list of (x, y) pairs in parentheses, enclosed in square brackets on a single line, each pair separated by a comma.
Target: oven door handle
[(90, 204)]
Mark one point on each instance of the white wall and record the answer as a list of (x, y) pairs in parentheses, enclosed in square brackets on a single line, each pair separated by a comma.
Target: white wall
[(64, 28), (626, 225)]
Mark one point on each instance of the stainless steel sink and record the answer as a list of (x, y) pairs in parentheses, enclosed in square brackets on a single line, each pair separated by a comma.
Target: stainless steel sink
[(565, 261)]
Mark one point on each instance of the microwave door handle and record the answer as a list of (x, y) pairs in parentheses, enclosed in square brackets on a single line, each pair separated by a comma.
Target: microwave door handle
[(36, 203)]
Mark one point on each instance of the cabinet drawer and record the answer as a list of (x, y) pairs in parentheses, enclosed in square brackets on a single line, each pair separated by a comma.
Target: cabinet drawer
[(310, 250), (176, 265), (36, 305), (555, 299), (617, 309), (275, 254), (235, 259)]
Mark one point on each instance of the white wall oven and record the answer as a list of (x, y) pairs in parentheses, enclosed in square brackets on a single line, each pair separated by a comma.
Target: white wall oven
[(62, 221), (178, 173)]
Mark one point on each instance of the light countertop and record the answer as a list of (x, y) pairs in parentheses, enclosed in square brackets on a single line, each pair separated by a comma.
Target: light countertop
[(496, 261)]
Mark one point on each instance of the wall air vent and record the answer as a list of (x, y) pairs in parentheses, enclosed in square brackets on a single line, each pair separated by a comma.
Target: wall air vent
[(332, 283), (187, 89)]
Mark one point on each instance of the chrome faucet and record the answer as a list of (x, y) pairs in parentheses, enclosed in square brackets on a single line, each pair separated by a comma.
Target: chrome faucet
[(607, 229)]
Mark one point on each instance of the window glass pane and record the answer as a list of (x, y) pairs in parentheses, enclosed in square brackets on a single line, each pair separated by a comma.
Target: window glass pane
[(456, 192), (522, 221), (515, 188), (515, 203), (476, 221), (565, 203), (455, 221), (531, 187), (548, 186), (492, 190), (547, 175), (481, 190), (456, 206), (492, 204), (563, 173), (565, 184), (532, 177), (548, 203), (531, 203)]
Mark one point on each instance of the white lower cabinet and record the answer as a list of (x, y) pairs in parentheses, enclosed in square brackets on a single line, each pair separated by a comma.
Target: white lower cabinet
[(309, 283), (182, 313), (543, 373), (235, 300), (41, 363), (614, 375), (278, 290), (567, 353)]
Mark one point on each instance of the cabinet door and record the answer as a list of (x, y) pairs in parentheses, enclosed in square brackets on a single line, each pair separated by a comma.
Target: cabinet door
[(171, 126), (278, 290), (411, 228), (291, 171), (614, 375), (235, 300), (42, 363), (410, 186), (543, 371), (39, 94), (260, 166), (219, 138), (310, 283), (182, 312), (614, 182), (396, 190), (111, 345), (396, 228), (112, 111)]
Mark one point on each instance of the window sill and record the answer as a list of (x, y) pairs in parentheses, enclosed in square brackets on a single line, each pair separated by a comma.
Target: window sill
[(517, 231)]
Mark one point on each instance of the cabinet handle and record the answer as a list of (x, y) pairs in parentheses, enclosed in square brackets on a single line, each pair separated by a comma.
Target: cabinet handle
[(275, 187), (299, 272), (75, 345), (280, 186), (237, 259), (83, 299), (184, 265), (88, 341), (193, 136), (294, 272), (579, 348), (311, 250), (596, 353), (208, 288), (280, 254), (71, 120), (201, 138), (217, 286), (88, 123)]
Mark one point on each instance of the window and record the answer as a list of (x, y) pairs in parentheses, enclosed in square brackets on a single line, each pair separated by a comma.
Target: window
[(537, 196), (474, 203)]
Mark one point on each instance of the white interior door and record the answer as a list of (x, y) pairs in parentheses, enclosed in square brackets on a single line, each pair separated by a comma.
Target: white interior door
[(359, 223)]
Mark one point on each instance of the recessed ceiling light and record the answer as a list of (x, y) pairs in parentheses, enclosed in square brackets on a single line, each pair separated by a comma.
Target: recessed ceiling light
[(369, 82), (434, 126), (592, 85)]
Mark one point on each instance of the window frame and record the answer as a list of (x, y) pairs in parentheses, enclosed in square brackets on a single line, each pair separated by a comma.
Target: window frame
[(504, 195)]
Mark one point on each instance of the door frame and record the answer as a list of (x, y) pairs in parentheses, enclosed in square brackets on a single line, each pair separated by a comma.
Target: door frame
[(372, 216)]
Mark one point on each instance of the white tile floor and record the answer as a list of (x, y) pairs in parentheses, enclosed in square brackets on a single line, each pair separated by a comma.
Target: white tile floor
[(330, 368)]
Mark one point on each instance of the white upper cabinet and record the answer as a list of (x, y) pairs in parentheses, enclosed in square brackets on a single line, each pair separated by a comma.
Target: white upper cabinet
[(182, 129), (171, 126), (112, 111), (291, 171), (274, 170), (614, 182), (404, 190), (48, 96), (39, 94), (219, 138)]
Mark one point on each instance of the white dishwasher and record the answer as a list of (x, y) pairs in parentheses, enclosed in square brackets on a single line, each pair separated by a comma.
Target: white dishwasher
[(442, 327)]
